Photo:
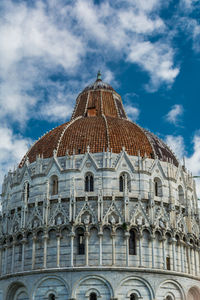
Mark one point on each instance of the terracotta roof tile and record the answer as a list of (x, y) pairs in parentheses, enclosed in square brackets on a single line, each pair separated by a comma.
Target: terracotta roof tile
[(99, 121)]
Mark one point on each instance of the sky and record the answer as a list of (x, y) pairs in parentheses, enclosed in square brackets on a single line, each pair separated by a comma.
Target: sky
[(149, 51)]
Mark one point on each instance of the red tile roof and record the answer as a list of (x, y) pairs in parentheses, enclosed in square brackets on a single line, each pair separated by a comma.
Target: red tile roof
[(100, 122)]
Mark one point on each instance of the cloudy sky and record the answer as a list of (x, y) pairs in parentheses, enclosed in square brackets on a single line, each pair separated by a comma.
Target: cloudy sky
[(149, 51)]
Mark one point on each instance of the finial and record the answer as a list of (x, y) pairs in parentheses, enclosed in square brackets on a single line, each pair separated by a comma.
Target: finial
[(99, 75)]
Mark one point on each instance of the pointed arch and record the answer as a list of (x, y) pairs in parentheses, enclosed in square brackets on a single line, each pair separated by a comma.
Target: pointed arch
[(54, 185), (157, 187), (89, 182), (132, 243), (124, 182), (180, 195)]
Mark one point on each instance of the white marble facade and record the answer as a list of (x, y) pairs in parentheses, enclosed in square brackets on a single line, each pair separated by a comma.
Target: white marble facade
[(99, 226)]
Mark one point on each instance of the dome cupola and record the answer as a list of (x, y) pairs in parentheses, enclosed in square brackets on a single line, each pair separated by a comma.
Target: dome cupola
[(99, 121)]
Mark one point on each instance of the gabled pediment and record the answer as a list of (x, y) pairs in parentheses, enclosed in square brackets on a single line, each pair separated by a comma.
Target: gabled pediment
[(124, 163), (53, 166), (88, 162), (157, 169), (86, 215), (138, 216)]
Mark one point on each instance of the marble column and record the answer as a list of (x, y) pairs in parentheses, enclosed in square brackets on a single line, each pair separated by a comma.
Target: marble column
[(45, 237), (182, 257), (24, 241), (174, 253), (152, 250), (6, 259), (72, 249), (164, 254), (127, 236), (113, 235), (58, 250), (86, 248), (195, 261), (33, 251), (188, 258), (13, 257), (100, 234), (140, 249)]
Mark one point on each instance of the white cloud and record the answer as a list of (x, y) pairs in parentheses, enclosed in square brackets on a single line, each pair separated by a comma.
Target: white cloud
[(188, 5), (192, 161), (75, 39), (40, 39), (33, 46), (156, 59), (133, 112), (176, 143), (12, 149), (174, 114)]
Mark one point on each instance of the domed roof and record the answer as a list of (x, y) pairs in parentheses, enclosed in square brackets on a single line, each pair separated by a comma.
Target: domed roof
[(98, 84), (99, 121)]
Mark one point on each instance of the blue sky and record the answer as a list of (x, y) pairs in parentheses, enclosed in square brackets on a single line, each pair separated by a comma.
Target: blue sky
[(149, 51)]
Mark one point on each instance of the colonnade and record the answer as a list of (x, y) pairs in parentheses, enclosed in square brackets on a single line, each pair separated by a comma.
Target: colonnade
[(153, 251)]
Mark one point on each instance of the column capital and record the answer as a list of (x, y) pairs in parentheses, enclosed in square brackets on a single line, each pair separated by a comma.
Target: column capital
[(113, 234), (24, 241), (127, 235), (86, 234), (72, 234)]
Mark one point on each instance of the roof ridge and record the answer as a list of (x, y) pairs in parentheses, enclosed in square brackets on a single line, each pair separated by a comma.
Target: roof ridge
[(63, 132), (107, 131)]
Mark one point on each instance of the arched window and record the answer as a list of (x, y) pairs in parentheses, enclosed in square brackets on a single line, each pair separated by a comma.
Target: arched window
[(157, 187), (20, 252), (169, 298), (132, 243), (133, 297), (54, 185), (19, 246), (168, 263), (180, 194), (121, 184), (89, 183), (51, 297), (80, 241), (124, 182), (93, 296)]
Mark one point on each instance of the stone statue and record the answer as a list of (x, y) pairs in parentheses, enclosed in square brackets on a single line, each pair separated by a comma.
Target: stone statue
[(59, 220), (112, 220), (86, 220)]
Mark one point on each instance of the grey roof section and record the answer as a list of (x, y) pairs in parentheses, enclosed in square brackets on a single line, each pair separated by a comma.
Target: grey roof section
[(161, 150), (98, 84)]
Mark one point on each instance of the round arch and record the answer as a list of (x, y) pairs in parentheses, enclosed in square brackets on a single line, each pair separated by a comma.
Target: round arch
[(137, 285), (15, 289), (172, 288), (43, 288), (98, 280)]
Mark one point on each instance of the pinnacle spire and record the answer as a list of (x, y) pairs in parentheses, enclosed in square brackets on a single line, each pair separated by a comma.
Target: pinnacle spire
[(99, 75)]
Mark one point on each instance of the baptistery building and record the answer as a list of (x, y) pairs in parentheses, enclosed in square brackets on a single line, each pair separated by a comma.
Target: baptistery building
[(99, 209)]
